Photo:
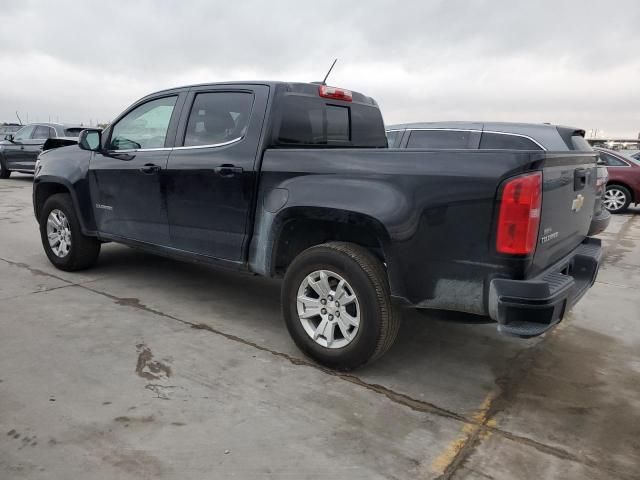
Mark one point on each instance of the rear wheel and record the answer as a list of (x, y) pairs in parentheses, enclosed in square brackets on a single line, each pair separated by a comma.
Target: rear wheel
[(617, 198), (65, 245), (4, 173), (337, 305)]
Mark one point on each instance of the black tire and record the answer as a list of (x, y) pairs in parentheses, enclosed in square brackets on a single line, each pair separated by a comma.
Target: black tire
[(379, 319), (4, 173), (84, 250), (624, 191)]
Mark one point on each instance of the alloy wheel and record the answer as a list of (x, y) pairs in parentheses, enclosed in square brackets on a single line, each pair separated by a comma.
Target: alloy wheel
[(614, 199), (59, 233), (328, 309)]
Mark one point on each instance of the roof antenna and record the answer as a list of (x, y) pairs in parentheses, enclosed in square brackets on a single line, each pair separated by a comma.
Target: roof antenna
[(324, 82), (18, 117)]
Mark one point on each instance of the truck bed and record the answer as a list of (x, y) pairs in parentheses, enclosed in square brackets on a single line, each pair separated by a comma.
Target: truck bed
[(437, 209)]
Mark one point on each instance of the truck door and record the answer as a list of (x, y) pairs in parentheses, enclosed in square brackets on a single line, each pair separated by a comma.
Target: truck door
[(14, 150), (126, 176), (211, 173)]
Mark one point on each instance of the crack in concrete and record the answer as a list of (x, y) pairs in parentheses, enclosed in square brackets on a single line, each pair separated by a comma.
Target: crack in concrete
[(508, 385)]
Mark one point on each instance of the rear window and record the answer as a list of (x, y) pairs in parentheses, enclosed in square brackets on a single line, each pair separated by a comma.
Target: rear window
[(574, 139), (504, 141), (579, 143), (439, 139), (72, 132), (393, 138), (308, 121)]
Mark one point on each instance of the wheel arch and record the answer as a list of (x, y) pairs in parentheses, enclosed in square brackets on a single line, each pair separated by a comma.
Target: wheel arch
[(299, 228), (621, 183), (44, 188), (280, 237)]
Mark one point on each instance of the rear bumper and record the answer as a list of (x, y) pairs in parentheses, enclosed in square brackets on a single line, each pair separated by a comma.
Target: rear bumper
[(527, 308)]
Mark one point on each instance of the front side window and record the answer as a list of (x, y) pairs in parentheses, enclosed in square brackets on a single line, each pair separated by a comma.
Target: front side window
[(218, 117), (144, 127), (24, 134), (439, 139), (42, 132), (504, 141)]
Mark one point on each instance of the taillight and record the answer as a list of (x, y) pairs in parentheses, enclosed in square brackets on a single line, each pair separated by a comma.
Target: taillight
[(335, 93), (519, 217)]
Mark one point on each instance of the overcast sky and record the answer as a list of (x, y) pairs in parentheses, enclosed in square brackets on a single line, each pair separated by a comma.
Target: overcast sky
[(567, 62)]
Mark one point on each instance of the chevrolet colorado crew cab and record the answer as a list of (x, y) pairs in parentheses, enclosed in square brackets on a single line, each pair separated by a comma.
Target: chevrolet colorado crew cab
[(296, 180)]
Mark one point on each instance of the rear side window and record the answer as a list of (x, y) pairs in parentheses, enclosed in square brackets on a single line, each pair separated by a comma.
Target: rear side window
[(393, 138), (72, 132), (308, 121), (503, 141), (218, 117), (611, 161), (439, 139), (43, 132)]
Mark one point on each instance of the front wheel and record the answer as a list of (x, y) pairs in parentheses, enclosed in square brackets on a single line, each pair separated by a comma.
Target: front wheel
[(337, 305), (617, 198), (65, 245)]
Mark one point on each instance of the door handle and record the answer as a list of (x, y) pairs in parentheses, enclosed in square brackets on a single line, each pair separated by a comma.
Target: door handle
[(227, 170), (22, 147), (149, 168)]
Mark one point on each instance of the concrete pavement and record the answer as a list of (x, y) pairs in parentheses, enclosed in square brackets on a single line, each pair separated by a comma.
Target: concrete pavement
[(145, 367)]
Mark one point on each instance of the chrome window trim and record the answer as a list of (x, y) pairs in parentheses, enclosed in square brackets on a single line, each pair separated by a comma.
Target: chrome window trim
[(235, 140), (474, 130), (515, 135), (131, 150), (229, 142)]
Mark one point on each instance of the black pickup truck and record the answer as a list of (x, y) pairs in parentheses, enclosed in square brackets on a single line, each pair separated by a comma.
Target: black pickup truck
[(295, 180)]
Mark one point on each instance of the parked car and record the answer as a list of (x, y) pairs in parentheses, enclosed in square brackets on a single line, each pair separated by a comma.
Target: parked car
[(635, 154), (295, 180), (19, 151), (502, 136), (623, 187), (8, 128)]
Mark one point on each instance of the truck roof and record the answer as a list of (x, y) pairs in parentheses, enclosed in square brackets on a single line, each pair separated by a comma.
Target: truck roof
[(301, 88)]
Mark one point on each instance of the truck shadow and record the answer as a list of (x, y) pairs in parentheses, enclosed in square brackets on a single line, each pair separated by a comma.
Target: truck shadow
[(442, 362)]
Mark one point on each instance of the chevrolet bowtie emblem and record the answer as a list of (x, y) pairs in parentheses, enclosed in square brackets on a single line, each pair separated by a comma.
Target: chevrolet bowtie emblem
[(577, 203)]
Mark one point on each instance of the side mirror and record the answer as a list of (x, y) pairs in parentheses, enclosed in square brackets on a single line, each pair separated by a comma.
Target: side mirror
[(90, 139), (9, 137)]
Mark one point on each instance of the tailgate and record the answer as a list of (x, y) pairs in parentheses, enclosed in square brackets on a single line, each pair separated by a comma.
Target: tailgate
[(568, 200)]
